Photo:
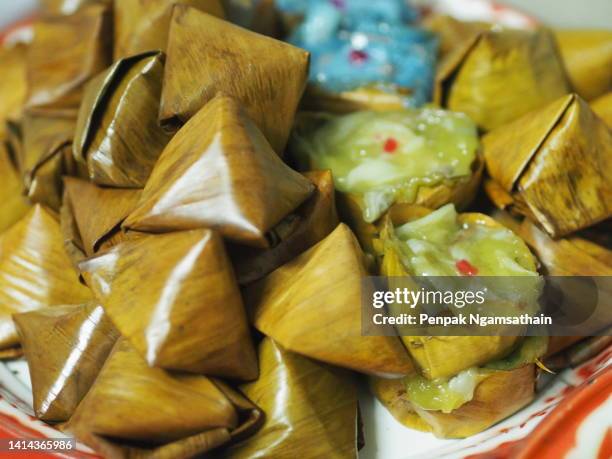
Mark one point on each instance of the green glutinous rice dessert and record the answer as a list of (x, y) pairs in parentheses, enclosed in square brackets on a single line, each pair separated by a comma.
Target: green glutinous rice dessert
[(381, 160)]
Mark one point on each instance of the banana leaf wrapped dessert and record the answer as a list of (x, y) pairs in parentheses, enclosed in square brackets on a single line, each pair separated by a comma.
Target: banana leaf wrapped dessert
[(117, 136), (65, 53), (317, 413), (602, 106), (587, 55), (452, 33), (296, 233), (501, 75), (65, 347), (185, 311), (46, 153), (219, 172), (260, 16), (468, 402), (96, 214), (386, 161), (13, 85), (364, 55), (35, 272), (142, 26), (136, 411), (207, 56), (553, 165), (56, 7), (13, 205), (311, 306), (444, 243)]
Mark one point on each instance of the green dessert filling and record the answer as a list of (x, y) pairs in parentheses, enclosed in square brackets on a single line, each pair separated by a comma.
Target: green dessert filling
[(385, 157), (440, 245), (448, 394)]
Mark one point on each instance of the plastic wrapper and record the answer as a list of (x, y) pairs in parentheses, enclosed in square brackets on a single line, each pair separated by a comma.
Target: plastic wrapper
[(219, 172)]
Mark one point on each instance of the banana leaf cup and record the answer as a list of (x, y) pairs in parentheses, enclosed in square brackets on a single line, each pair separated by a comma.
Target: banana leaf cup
[(65, 347), (65, 53), (117, 137), (141, 26), (185, 311), (602, 106), (13, 206), (13, 86), (499, 76), (136, 411), (554, 166), (207, 55), (587, 55), (404, 245), (35, 272), (300, 230), (496, 395), (219, 172), (91, 216), (390, 161), (46, 154), (317, 413), (311, 306)]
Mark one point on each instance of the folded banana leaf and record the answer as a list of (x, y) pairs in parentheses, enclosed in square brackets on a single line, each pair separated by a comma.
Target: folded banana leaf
[(142, 25), (602, 106), (498, 76), (311, 306), (65, 53), (184, 310), (219, 172), (117, 136), (260, 16), (47, 153), (13, 85), (13, 205), (496, 397), (300, 230), (553, 165), (207, 55), (97, 212), (363, 98), (35, 272), (56, 7), (587, 55), (65, 347), (310, 407), (453, 33), (136, 411)]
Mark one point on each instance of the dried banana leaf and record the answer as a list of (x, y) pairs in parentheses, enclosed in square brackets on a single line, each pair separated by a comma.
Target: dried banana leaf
[(499, 76), (588, 58), (117, 136), (55, 7), (13, 85), (184, 310), (364, 98), (46, 153), (219, 172), (453, 33), (602, 106), (65, 347), (13, 206), (207, 55), (310, 407), (498, 396), (97, 212), (311, 306), (35, 272), (300, 230), (65, 53), (135, 411), (142, 25), (556, 165)]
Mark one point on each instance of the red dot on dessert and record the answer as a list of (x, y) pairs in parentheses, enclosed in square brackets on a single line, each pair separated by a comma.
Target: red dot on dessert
[(390, 145), (357, 56), (466, 268)]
